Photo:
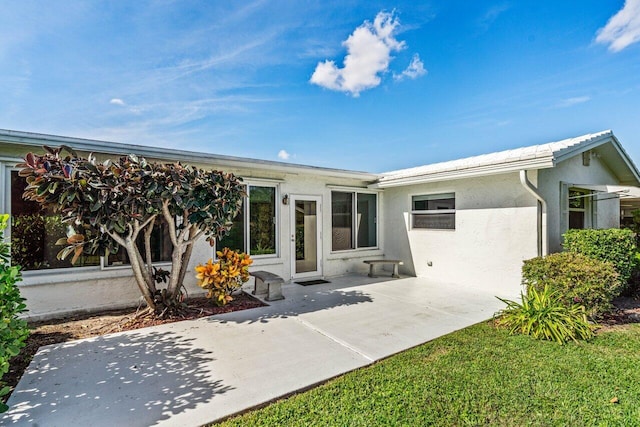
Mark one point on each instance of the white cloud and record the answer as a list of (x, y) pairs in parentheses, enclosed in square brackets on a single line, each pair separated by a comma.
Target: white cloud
[(414, 70), (487, 20), (282, 154), (117, 101), (369, 50), (623, 29), (570, 102)]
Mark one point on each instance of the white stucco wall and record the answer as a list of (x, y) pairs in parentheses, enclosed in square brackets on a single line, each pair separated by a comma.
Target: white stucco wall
[(573, 172), (52, 294), (495, 231), (55, 293)]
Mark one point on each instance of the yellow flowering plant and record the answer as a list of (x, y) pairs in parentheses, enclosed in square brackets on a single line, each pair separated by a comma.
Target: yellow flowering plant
[(224, 276)]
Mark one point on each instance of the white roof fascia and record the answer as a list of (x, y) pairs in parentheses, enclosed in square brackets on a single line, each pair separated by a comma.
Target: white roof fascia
[(106, 147), (470, 172), (595, 143), (573, 150)]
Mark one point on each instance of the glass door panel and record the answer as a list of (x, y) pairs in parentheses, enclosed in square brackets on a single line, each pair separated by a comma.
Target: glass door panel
[(306, 236)]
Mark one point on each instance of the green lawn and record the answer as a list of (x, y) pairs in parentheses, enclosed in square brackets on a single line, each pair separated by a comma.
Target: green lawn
[(479, 376)]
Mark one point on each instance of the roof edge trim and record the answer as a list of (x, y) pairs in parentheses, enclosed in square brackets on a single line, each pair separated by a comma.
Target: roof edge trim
[(107, 147), (471, 172)]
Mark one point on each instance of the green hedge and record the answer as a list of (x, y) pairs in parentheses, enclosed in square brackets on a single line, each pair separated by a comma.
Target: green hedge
[(577, 278), (614, 245), (13, 331)]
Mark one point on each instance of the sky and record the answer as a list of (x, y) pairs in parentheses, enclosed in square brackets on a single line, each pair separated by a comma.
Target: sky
[(361, 85)]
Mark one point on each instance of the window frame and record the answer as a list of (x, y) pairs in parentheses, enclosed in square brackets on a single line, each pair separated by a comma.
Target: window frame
[(354, 219), (246, 216), (587, 211), (104, 262), (413, 211), (6, 169)]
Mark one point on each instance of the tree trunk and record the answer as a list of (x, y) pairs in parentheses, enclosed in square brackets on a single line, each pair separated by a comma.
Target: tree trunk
[(147, 270), (186, 256), (143, 279), (176, 266)]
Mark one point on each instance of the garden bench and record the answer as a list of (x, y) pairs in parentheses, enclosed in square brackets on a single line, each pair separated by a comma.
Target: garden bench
[(268, 283), (373, 262)]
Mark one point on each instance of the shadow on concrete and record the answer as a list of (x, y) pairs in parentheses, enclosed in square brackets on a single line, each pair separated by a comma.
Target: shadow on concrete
[(123, 379), (297, 302)]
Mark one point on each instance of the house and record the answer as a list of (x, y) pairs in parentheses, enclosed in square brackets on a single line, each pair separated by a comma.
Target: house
[(469, 221), (475, 220)]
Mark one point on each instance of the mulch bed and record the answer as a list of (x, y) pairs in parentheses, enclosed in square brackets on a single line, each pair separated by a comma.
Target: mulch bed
[(95, 324), (627, 310)]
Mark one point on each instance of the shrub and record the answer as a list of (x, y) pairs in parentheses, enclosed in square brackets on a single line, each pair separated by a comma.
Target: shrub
[(614, 245), (224, 276), (13, 331), (576, 278), (543, 315)]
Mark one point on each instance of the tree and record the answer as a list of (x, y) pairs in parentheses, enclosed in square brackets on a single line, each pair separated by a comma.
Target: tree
[(110, 204)]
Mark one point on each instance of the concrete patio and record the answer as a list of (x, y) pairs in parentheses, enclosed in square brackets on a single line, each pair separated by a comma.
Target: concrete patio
[(194, 372)]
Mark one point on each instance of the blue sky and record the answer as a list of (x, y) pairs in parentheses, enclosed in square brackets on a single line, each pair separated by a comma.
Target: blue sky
[(362, 85)]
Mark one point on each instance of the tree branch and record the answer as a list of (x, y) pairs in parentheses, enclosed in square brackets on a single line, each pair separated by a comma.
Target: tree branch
[(196, 236), (147, 244), (171, 222), (119, 240)]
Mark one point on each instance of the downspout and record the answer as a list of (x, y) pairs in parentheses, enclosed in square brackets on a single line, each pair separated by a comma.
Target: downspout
[(543, 244)]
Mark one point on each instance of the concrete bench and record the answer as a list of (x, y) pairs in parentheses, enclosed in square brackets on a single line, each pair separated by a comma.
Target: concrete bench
[(268, 283), (373, 262)]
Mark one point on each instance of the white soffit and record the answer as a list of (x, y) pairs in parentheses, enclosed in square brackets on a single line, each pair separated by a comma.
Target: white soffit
[(621, 190)]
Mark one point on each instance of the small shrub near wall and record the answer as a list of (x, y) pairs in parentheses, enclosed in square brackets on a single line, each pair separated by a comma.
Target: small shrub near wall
[(576, 278), (225, 276), (614, 245), (13, 331)]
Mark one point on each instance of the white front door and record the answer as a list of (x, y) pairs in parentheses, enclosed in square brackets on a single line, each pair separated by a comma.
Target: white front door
[(306, 236)]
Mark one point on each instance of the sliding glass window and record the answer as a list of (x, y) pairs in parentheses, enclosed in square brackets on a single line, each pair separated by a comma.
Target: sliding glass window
[(353, 228), (254, 229), (34, 233)]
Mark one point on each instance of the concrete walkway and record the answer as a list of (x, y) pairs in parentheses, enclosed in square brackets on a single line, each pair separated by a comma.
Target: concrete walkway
[(193, 372)]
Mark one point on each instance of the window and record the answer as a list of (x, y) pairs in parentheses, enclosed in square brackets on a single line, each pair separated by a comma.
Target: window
[(254, 228), (434, 211), (579, 208), (34, 233), (366, 220), (262, 220), (353, 228), (341, 221)]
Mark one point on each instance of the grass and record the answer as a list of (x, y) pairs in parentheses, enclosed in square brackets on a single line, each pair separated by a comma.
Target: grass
[(479, 376)]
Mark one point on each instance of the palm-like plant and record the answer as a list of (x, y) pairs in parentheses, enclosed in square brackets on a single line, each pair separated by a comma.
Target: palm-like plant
[(543, 316)]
